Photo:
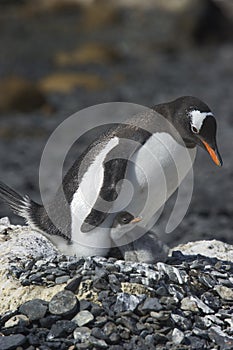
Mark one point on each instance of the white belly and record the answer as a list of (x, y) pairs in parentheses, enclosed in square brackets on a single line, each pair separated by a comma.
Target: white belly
[(97, 241), (156, 171)]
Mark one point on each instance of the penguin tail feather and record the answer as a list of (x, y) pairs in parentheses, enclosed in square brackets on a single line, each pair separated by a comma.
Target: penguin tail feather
[(20, 205)]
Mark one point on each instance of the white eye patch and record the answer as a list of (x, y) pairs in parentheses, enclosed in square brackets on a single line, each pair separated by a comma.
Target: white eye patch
[(197, 118)]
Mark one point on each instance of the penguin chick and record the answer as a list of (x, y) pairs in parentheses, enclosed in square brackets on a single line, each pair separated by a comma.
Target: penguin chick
[(147, 248), (123, 222)]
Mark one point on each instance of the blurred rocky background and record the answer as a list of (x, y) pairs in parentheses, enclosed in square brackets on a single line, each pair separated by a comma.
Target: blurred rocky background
[(60, 56)]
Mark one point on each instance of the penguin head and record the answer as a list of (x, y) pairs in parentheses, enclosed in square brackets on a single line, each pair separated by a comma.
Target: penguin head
[(197, 126), (122, 223)]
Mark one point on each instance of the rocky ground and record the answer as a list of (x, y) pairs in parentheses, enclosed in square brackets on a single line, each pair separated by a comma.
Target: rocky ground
[(51, 301)]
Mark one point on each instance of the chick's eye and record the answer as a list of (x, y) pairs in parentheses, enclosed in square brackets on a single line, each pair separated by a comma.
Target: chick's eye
[(194, 129), (124, 220)]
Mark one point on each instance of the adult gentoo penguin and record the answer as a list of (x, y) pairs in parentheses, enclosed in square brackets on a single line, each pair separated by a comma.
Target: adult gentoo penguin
[(153, 150)]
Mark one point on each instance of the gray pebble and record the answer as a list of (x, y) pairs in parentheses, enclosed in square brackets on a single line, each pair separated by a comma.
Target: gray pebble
[(34, 309), (82, 334), (151, 304), (64, 303), (11, 342), (62, 279), (98, 343)]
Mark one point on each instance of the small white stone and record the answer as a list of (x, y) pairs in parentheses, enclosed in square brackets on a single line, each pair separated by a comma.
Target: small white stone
[(5, 221), (224, 292), (83, 318), (82, 334), (18, 320), (177, 336), (189, 304)]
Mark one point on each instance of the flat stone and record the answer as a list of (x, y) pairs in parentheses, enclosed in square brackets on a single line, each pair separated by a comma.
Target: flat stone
[(34, 309), (64, 303), (11, 342), (62, 279), (151, 304), (224, 292), (83, 318)]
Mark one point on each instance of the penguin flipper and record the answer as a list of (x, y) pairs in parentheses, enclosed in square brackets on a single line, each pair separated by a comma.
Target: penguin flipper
[(114, 171)]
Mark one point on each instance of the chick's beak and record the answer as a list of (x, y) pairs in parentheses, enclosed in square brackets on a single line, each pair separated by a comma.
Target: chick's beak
[(135, 220), (213, 153)]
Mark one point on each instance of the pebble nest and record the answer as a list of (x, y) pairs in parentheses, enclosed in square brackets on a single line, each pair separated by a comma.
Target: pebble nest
[(185, 303)]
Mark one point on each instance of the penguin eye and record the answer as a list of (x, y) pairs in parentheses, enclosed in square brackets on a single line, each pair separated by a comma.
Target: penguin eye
[(194, 129), (124, 220)]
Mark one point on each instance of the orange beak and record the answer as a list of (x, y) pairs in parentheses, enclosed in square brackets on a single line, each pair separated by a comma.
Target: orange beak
[(214, 154), (135, 220)]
